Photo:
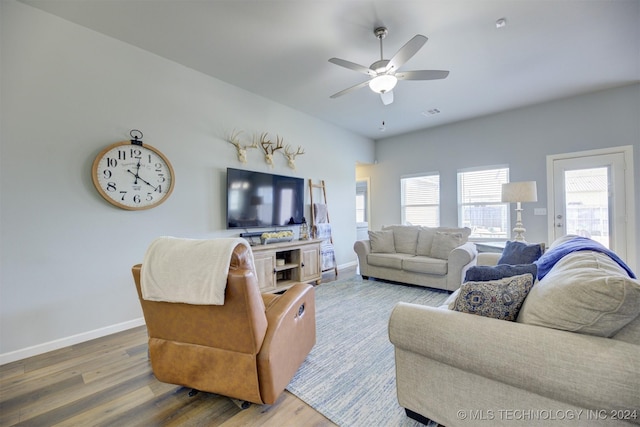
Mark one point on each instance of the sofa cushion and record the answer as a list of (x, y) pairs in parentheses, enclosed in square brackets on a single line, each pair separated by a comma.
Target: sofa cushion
[(405, 237), (382, 242), (425, 240), (585, 292), (444, 243), (426, 235), (427, 265), (629, 333), (481, 273), (386, 260), (520, 253), (498, 299)]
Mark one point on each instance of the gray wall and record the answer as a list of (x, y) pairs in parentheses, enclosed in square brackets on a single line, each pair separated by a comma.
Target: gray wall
[(67, 92), (520, 138)]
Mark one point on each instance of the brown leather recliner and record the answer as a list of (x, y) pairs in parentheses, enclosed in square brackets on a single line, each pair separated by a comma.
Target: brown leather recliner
[(247, 349)]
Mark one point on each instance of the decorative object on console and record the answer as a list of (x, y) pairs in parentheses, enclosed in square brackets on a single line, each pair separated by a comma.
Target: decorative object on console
[(276, 236), (132, 175), (518, 192), (291, 155), (269, 148), (241, 148), (304, 230)]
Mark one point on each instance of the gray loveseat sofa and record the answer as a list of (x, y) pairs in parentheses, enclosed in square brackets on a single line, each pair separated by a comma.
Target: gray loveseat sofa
[(425, 256), (572, 357)]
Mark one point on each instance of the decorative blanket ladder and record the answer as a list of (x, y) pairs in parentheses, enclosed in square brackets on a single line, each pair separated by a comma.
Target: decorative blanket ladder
[(321, 228)]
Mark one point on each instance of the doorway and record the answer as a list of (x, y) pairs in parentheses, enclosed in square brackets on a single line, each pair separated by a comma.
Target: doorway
[(591, 194), (362, 209)]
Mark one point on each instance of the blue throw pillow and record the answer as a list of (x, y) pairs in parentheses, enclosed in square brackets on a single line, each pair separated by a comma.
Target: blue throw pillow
[(483, 273), (520, 253)]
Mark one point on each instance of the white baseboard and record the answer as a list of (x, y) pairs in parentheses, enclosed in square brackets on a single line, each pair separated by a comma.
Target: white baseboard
[(347, 265), (35, 350)]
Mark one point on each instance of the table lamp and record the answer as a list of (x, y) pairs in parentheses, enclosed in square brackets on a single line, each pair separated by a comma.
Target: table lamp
[(518, 192)]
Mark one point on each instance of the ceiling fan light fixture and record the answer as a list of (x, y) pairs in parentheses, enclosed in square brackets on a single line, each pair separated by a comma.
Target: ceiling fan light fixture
[(383, 83)]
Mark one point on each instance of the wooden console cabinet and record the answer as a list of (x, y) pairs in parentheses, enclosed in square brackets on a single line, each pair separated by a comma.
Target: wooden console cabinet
[(300, 263)]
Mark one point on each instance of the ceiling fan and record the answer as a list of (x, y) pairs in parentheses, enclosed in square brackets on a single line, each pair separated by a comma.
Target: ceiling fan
[(384, 73)]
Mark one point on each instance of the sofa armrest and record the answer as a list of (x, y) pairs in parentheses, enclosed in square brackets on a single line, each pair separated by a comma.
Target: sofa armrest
[(362, 249), (460, 260), (291, 334), (584, 370), (488, 258)]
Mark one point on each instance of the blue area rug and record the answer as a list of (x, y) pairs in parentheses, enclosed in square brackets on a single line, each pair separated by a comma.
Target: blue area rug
[(349, 376)]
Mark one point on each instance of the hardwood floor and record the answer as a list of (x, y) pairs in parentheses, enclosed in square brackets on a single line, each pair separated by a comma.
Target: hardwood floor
[(108, 382)]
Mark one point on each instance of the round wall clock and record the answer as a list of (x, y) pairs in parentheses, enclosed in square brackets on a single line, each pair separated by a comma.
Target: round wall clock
[(132, 175)]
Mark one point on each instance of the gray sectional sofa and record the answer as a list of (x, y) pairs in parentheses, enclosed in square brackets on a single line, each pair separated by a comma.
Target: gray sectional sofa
[(424, 256)]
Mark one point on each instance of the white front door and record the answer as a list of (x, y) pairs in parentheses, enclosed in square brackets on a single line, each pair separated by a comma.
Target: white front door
[(591, 195)]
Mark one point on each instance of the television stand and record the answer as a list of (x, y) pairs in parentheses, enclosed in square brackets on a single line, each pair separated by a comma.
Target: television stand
[(281, 265)]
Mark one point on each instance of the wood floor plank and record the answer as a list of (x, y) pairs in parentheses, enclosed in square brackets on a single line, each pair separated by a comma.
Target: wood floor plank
[(11, 370), (288, 411), (175, 405), (109, 410), (73, 401)]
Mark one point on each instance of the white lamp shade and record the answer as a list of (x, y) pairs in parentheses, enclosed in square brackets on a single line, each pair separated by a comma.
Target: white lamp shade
[(525, 191), (383, 83)]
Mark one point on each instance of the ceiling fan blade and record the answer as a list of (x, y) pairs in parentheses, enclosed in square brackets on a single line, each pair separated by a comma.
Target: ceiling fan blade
[(422, 75), (349, 89), (353, 66), (406, 52), (387, 97)]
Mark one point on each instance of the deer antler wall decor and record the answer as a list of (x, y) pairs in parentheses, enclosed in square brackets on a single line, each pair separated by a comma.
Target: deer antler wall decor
[(291, 155), (242, 149), (269, 148)]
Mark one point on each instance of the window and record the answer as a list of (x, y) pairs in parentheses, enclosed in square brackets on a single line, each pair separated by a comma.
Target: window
[(421, 200), (480, 204)]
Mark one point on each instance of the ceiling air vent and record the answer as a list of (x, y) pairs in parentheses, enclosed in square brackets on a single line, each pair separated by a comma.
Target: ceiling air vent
[(431, 112)]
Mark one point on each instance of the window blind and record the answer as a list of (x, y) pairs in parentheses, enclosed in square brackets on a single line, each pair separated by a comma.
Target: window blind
[(480, 204), (421, 200)]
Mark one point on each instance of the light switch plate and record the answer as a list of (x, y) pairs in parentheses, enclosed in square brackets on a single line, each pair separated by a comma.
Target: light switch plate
[(540, 211)]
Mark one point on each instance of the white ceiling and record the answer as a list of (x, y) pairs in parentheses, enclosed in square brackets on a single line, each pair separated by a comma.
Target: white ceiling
[(280, 49)]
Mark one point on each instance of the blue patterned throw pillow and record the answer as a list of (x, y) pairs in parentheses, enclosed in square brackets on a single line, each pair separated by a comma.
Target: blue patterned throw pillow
[(498, 299)]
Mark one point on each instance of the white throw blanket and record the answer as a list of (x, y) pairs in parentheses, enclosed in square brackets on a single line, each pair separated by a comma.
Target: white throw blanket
[(188, 270)]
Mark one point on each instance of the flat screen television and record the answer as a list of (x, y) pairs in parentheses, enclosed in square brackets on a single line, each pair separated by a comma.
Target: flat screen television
[(257, 199)]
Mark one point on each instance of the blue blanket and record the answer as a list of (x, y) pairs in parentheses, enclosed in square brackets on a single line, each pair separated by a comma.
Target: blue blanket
[(552, 256)]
